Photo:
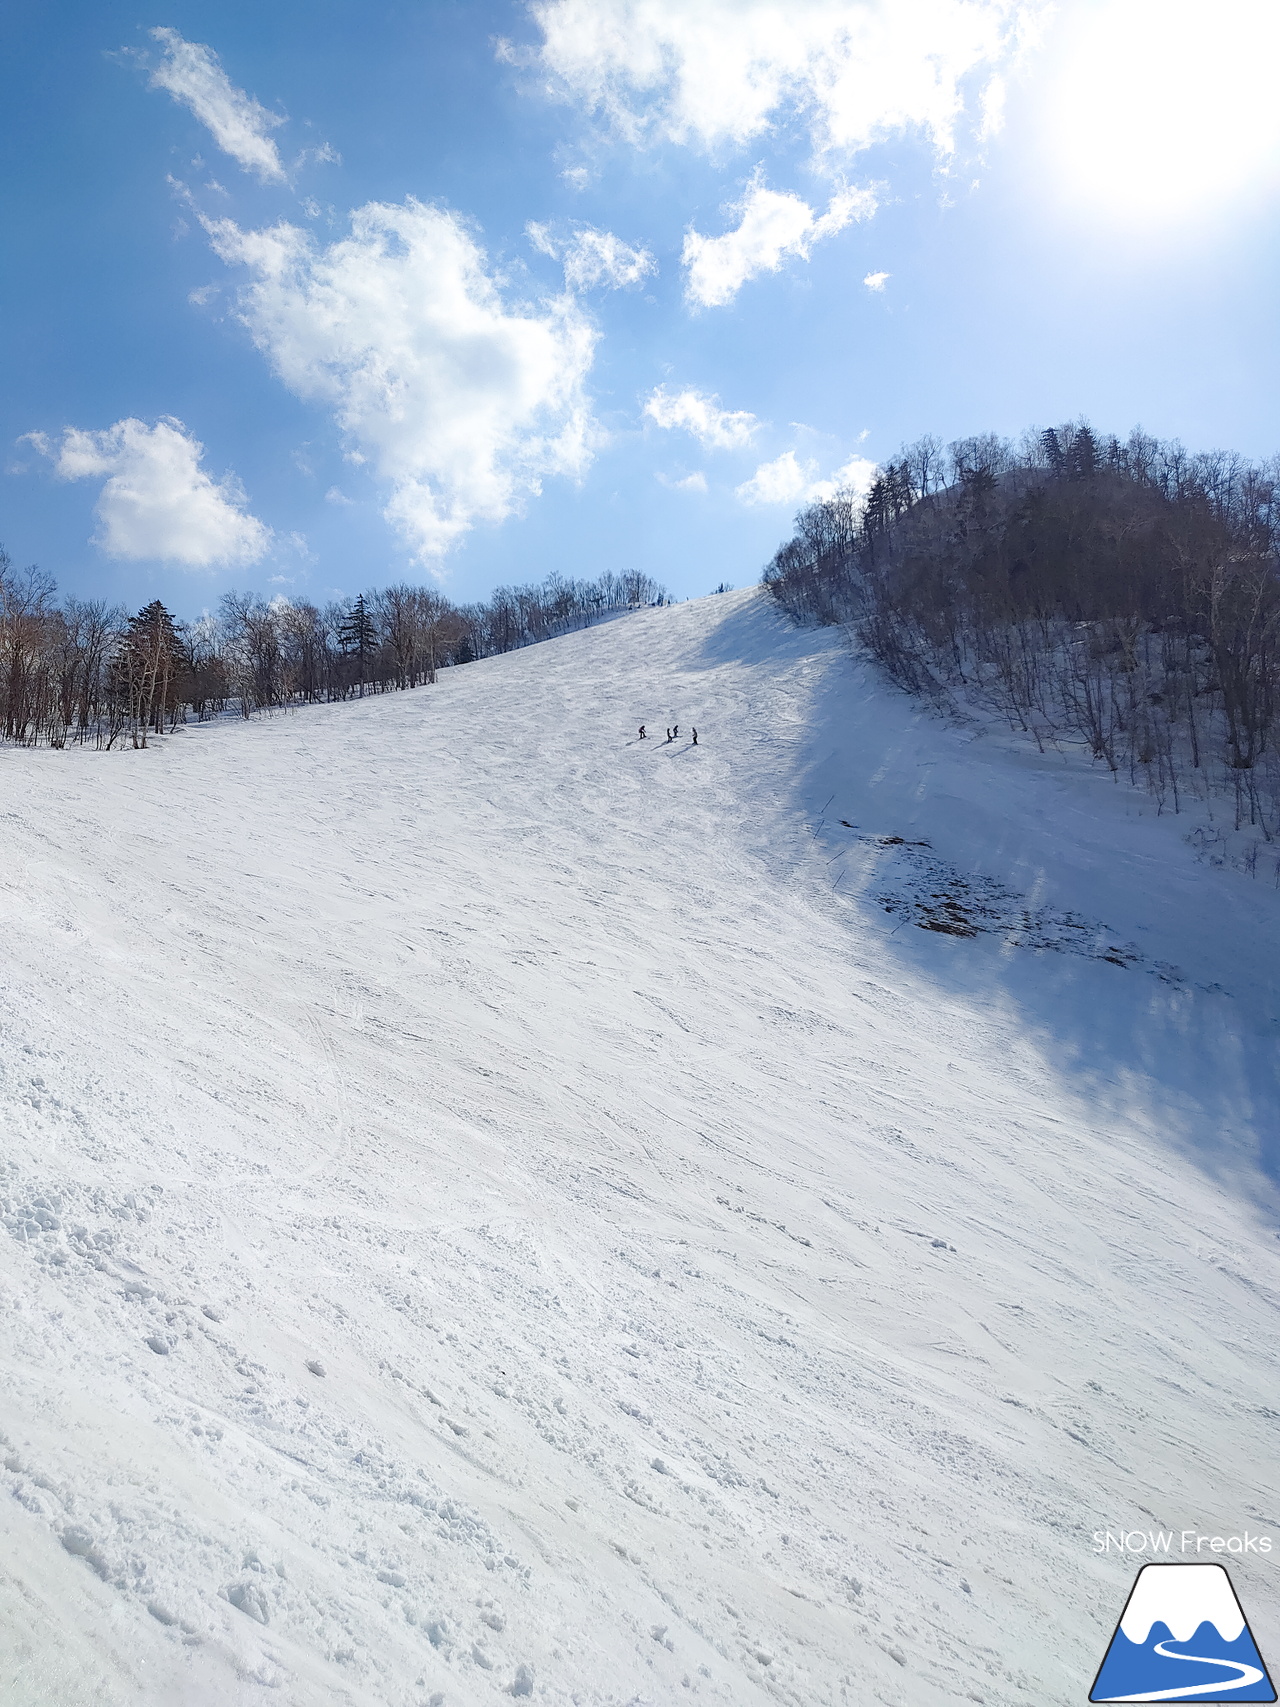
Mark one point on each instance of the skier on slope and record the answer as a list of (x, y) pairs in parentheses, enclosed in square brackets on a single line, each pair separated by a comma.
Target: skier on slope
[(695, 737), (643, 736), (675, 733)]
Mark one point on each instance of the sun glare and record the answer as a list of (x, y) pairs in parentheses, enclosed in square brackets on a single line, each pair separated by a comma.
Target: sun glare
[(1161, 108)]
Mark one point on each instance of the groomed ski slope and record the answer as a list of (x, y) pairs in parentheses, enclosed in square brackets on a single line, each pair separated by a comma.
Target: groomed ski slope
[(724, 1289)]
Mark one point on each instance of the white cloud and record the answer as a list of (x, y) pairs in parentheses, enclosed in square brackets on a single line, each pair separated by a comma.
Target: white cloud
[(877, 281), (695, 482), (786, 480), (991, 105), (772, 226), (598, 257), (542, 240), (781, 481), (712, 73), (696, 413), (593, 257), (240, 127), (459, 402), (157, 501), (324, 155), (854, 476), (576, 177)]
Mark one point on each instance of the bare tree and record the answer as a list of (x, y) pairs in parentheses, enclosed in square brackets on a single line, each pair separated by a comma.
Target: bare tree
[(1124, 595), (80, 670)]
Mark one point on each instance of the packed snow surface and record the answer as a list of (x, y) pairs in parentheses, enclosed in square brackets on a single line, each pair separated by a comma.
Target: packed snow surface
[(495, 1207)]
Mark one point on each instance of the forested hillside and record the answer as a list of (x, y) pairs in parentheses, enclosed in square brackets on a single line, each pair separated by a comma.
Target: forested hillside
[(1123, 596)]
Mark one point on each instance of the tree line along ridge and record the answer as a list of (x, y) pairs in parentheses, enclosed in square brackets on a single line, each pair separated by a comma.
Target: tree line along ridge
[(83, 671)]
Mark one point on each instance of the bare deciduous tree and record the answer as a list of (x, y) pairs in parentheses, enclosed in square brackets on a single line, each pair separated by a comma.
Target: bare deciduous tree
[(1123, 595), (83, 671)]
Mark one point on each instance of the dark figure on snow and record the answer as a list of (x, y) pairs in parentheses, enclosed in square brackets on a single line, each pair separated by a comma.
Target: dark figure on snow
[(695, 737), (670, 736), (675, 733), (643, 736)]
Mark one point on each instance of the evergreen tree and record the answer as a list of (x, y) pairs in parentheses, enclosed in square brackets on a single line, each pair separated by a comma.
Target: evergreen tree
[(900, 488), (358, 635), (1082, 459), (876, 512), (145, 672), (1051, 445)]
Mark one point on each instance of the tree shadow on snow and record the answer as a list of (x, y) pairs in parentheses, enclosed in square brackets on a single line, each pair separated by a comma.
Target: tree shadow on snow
[(1180, 1028), (752, 631)]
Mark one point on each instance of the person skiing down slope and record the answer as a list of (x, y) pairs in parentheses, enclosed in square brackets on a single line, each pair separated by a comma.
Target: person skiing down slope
[(643, 736), (695, 737)]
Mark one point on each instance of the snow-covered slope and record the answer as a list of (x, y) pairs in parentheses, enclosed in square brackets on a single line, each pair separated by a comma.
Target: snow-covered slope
[(495, 1205)]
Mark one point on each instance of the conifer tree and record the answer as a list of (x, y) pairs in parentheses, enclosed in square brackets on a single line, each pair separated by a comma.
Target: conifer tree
[(1051, 445), (1082, 459), (358, 634), (145, 672)]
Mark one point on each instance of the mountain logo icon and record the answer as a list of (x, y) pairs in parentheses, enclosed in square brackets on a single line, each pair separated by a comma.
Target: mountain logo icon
[(1182, 1637)]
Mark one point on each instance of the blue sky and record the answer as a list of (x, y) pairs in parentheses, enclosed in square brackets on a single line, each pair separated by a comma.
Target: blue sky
[(310, 298)]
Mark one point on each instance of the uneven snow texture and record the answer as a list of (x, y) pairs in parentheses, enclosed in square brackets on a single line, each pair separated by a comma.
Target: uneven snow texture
[(493, 1205)]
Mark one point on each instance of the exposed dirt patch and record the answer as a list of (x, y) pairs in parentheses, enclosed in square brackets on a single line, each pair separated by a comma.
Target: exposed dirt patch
[(913, 884)]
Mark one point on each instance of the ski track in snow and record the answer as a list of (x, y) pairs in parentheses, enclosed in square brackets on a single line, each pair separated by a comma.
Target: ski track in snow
[(492, 1207)]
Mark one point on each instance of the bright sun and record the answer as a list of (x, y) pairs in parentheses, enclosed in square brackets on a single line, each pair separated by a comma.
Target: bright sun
[(1160, 107)]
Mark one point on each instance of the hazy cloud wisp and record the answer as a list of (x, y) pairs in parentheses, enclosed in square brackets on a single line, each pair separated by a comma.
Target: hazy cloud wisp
[(695, 412), (193, 75), (772, 225), (786, 480), (594, 257)]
